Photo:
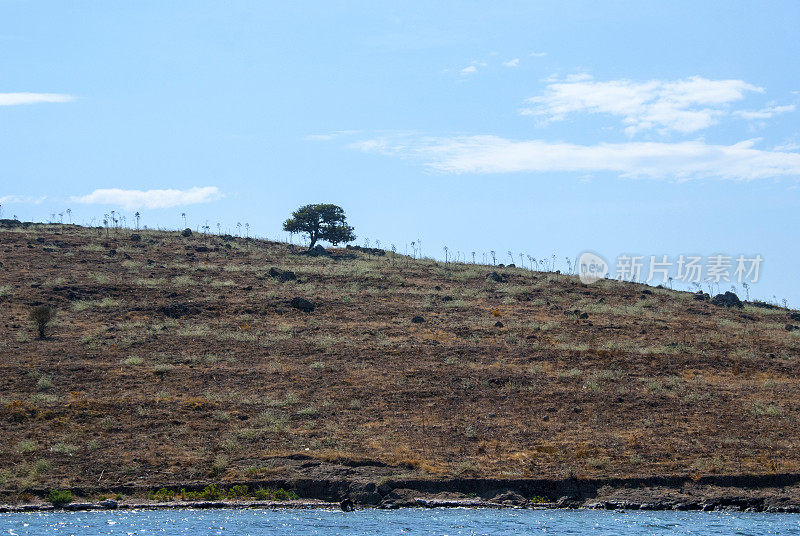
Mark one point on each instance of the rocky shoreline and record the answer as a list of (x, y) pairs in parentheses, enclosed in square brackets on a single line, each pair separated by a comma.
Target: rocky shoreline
[(724, 504), (778, 493)]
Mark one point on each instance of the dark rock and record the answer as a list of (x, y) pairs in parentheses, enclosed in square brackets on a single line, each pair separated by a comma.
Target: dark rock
[(790, 327), (109, 504), (177, 310), (647, 291), (317, 251), (545, 417), (186, 233), (584, 316), (729, 299), (576, 409), (794, 316), (302, 304), (512, 265), (201, 249), (510, 498), (437, 287), (112, 252), (567, 502), (347, 505), (398, 498), (10, 224), (78, 506), (370, 251), (282, 275), (494, 276), (417, 320), (498, 324), (363, 494), (136, 237), (701, 296)]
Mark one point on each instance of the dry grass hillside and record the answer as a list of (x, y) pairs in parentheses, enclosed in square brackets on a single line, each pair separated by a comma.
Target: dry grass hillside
[(176, 359)]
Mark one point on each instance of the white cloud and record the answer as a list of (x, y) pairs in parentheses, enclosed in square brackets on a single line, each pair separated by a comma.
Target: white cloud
[(685, 105), (512, 63), (538, 54), (765, 113), (14, 99), (680, 161), (135, 199), (469, 70)]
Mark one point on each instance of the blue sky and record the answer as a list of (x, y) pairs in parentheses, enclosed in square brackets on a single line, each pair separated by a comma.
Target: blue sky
[(543, 128)]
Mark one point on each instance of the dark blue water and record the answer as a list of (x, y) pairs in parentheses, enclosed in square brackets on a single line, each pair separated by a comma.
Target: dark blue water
[(385, 522)]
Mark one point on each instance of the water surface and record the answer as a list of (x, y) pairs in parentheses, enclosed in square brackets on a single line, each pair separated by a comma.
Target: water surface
[(385, 522)]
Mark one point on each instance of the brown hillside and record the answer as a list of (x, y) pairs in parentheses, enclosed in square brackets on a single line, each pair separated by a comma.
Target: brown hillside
[(177, 359)]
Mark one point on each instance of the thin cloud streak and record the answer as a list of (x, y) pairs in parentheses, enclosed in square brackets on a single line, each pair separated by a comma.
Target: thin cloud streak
[(21, 200), (677, 161), (765, 113), (16, 99), (150, 199)]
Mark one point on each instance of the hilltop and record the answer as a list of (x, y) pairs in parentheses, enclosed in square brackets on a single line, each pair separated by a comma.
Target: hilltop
[(178, 361)]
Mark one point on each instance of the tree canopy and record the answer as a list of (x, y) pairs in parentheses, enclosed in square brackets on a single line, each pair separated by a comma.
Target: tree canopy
[(320, 222)]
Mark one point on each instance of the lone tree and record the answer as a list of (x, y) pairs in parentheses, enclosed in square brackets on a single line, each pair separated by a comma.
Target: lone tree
[(41, 316), (320, 222)]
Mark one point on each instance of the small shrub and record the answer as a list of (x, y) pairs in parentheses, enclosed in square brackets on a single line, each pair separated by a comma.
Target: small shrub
[(41, 466), (59, 497), (43, 398), (44, 383), (221, 416), (81, 305), (99, 278), (161, 495), (279, 494), (209, 493), (238, 492), (108, 302), (25, 447), (162, 369), (219, 466), (63, 448), (41, 316)]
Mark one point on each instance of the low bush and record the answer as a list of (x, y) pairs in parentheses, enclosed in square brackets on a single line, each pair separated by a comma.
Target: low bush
[(59, 497)]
